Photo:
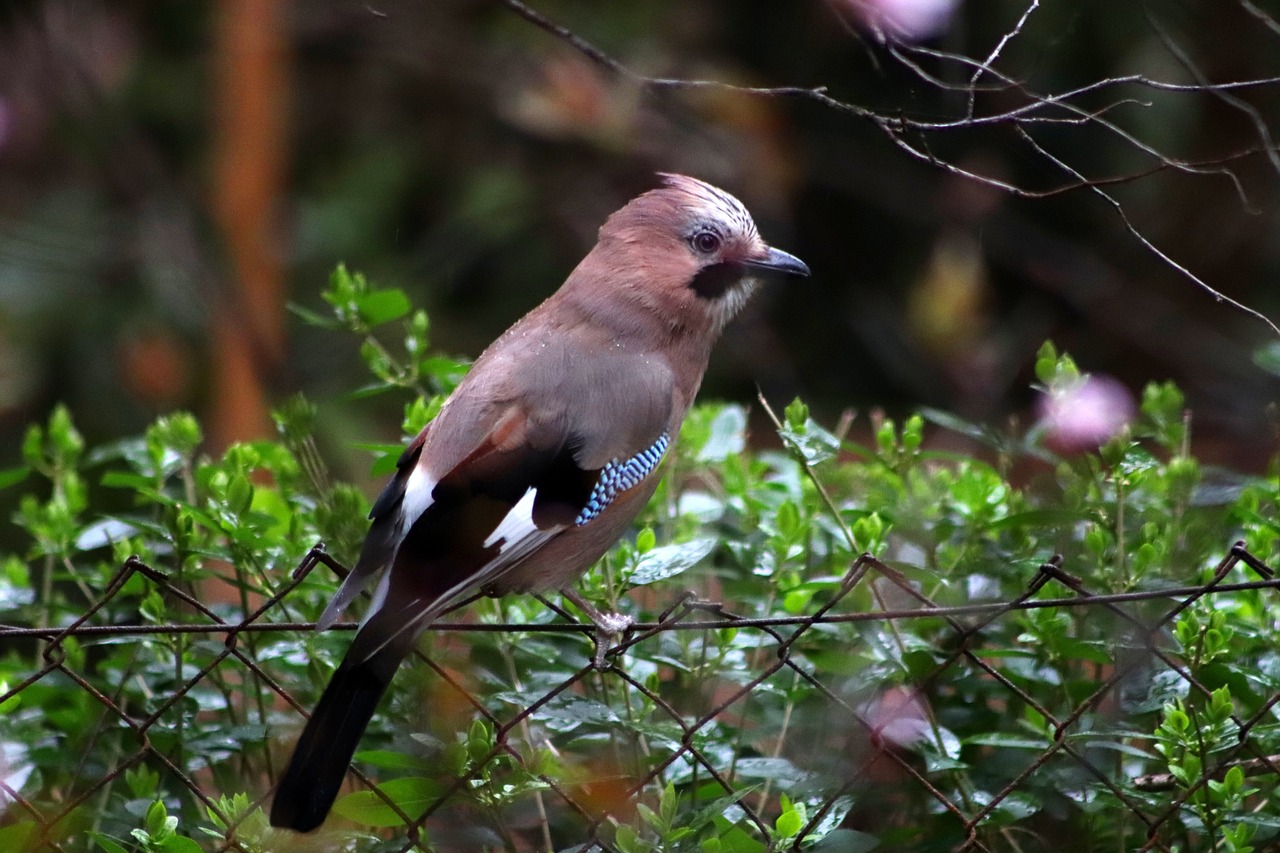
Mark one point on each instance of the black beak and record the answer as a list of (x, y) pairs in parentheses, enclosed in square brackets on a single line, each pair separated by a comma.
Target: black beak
[(777, 260)]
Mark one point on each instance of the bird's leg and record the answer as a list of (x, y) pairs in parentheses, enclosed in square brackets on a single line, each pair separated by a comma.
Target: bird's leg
[(608, 625)]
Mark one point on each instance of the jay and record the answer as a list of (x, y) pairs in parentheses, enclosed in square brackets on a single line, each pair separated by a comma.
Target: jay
[(544, 453)]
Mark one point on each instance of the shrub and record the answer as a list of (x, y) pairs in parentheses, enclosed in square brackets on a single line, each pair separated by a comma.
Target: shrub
[(839, 646)]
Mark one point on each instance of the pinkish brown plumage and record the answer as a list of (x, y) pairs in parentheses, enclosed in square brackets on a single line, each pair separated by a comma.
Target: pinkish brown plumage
[(545, 452)]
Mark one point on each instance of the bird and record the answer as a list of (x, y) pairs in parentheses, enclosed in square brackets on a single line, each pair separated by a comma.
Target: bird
[(543, 455)]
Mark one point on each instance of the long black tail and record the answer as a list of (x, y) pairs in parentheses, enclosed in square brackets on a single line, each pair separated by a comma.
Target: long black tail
[(323, 753)]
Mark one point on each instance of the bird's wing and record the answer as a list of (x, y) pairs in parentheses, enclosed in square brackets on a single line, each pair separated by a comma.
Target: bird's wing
[(459, 514), (378, 545), (411, 490)]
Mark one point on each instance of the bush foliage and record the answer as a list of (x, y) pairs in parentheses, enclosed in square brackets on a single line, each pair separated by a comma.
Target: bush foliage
[(1038, 727)]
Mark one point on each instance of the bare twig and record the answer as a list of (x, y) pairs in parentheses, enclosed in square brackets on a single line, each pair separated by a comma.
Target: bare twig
[(910, 134)]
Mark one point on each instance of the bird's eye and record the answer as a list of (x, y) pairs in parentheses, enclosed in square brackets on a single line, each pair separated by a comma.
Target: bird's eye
[(706, 242)]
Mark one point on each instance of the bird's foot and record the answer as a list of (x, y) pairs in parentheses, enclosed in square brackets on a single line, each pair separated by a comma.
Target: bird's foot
[(612, 623), (608, 626)]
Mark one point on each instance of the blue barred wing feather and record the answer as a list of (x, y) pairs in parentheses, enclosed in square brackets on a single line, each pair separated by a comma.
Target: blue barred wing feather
[(617, 476)]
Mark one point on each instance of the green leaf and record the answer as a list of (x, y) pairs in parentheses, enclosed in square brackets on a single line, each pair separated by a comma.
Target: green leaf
[(778, 770), (734, 839), (106, 842), (846, 841), (887, 437), (385, 456), (957, 424), (1094, 651), (913, 433), (383, 306), (127, 480), (180, 844), (389, 760), (627, 840), (312, 318), (33, 447), (1096, 742), (1007, 740), (239, 494), (13, 476), (1018, 805), (104, 532), (796, 413), (811, 443), (1234, 778), (728, 435), (411, 794), (788, 520), (1038, 519), (650, 817), (566, 711), (142, 781), (789, 823), (668, 803), (1046, 362), (670, 560), (63, 435), (831, 820), (479, 740), (157, 820)]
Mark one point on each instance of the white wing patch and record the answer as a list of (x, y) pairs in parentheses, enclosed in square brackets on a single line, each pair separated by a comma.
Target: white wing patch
[(417, 496), (519, 536), (516, 524), (413, 503)]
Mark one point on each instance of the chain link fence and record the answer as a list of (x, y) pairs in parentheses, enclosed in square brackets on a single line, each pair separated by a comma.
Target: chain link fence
[(868, 763)]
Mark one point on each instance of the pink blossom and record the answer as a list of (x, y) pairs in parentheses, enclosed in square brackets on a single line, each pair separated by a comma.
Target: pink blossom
[(1086, 414), (902, 20)]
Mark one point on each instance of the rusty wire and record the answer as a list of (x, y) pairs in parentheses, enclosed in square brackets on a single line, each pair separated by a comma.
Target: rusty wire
[(965, 623)]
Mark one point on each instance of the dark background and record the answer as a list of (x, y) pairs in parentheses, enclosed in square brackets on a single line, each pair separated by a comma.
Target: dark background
[(172, 173)]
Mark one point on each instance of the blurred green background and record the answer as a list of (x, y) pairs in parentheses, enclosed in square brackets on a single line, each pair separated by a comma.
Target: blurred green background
[(173, 173)]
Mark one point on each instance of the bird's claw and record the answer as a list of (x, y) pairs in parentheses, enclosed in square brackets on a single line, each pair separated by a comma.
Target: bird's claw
[(608, 626), (613, 623)]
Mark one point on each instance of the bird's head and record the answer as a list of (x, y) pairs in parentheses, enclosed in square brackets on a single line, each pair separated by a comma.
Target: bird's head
[(689, 248)]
